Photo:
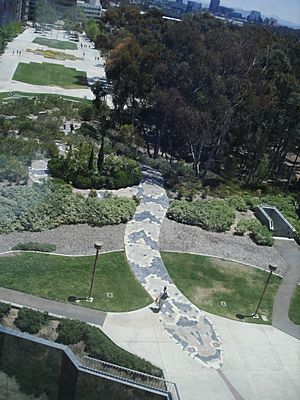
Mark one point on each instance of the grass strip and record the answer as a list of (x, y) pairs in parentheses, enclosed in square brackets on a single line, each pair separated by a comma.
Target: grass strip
[(58, 278)]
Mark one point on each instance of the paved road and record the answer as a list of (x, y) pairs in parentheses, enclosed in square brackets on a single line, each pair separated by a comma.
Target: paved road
[(290, 251)]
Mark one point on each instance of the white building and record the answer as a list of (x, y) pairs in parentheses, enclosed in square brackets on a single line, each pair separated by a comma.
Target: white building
[(91, 9)]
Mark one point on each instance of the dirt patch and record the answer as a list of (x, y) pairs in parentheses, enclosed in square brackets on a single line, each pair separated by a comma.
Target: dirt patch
[(49, 331), (9, 320), (241, 215), (78, 349), (234, 266), (203, 294)]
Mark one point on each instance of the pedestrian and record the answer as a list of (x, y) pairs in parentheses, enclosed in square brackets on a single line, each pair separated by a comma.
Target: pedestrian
[(161, 298), (65, 126), (83, 54), (72, 126)]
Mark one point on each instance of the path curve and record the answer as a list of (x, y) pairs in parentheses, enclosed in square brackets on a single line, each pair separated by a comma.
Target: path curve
[(290, 251), (183, 321)]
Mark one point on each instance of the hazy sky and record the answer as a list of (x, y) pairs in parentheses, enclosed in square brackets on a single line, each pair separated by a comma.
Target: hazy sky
[(285, 9)]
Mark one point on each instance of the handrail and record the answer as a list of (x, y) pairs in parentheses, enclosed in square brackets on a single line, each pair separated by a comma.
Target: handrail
[(132, 376)]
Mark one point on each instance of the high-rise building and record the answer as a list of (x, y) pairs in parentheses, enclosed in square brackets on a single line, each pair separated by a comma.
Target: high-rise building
[(214, 4), (254, 16), (59, 5), (193, 7), (11, 10), (91, 9)]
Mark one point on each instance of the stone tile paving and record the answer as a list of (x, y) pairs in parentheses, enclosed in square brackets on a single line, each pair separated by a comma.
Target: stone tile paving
[(183, 321)]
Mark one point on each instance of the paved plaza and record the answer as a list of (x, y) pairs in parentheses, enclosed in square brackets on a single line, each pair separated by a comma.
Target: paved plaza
[(87, 62)]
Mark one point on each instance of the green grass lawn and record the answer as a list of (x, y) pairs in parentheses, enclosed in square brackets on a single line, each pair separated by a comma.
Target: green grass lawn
[(55, 44), (57, 277), (207, 281), (50, 74), (294, 310)]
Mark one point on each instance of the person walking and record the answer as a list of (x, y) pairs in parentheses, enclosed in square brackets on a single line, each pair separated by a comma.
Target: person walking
[(161, 298)]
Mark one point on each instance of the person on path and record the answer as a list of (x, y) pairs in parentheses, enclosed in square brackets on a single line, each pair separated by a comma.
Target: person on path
[(161, 298), (72, 126)]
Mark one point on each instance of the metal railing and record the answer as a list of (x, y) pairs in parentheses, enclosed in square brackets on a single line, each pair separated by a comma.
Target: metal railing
[(129, 375)]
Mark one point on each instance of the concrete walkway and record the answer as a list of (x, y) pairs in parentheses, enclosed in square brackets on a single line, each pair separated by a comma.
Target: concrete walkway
[(261, 362), (56, 308), (182, 320), (86, 60), (290, 251)]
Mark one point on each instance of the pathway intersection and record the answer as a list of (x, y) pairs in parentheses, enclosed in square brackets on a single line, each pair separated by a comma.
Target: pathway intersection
[(181, 319)]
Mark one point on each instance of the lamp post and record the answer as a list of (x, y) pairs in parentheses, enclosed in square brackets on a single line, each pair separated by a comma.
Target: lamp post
[(272, 269), (98, 247)]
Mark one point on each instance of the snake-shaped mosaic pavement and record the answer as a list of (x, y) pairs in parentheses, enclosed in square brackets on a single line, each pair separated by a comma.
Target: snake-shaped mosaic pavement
[(181, 319)]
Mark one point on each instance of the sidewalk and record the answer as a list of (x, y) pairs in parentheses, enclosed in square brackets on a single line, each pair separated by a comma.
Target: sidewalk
[(56, 308), (290, 251)]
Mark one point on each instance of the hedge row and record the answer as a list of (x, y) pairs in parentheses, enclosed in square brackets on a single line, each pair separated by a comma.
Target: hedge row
[(48, 205), (98, 345), (213, 215)]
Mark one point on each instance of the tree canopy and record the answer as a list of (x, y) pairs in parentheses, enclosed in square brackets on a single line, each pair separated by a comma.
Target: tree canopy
[(224, 97)]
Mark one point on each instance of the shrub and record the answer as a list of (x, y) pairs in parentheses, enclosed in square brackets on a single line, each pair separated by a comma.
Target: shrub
[(31, 321), (252, 201), (98, 345), (213, 215), (98, 182), (80, 167), (48, 205), (71, 331), (237, 203), (112, 211), (259, 233), (82, 182), (4, 309), (35, 246)]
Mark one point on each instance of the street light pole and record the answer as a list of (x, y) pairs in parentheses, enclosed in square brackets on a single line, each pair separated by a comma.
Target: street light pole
[(242, 316), (98, 247), (272, 269)]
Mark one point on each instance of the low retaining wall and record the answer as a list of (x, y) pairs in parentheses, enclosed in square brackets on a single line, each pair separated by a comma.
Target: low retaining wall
[(275, 221)]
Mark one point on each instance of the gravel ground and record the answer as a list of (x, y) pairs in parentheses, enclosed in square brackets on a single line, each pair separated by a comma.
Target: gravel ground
[(79, 240), (186, 238), (70, 239)]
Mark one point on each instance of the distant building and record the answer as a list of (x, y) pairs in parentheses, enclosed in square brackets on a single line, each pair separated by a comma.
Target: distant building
[(59, 5), (193, 7), (271, 21), (91, 9), (11, 10), (214, 5), (254, 16)]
